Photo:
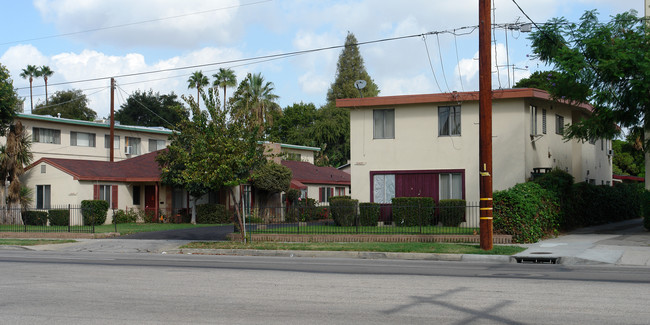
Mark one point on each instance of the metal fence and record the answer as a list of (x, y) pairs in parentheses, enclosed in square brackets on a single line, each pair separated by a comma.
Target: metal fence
[(360, 219), (65, 218)]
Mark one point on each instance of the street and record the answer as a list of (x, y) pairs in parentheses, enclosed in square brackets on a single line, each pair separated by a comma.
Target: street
[(101, 288)]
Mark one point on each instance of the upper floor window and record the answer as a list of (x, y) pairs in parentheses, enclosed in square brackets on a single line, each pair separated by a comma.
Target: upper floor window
[(448, 120), (155, 145), (533, 120), (132, 146), (559, 124), (43, 135), (384, 123), (116, 141), (81, 139), (293, 156), (543, 121)]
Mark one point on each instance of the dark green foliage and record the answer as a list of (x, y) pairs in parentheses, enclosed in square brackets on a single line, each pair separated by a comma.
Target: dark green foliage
[(293, 195), (72, 104), (94, 212), (293, 125), (212, 214), (343, 210), (369, 214), (35, 218), (149, 109), (628, 157), (306, 210), (413, 211), (346, 197), (560, 183), (272, 178), (452, 212), (59, 217), (527, 212), (350, 68), (594, 205), (8, 99), (122, 216), (544, 80)]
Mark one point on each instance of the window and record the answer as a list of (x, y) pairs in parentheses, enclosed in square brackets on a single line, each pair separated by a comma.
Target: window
[(383, 188), (43, 196), (325, 193), (303, 193), (543, 121), (533, 120), (43, 170), (107, 193), (116, 141), (134, 143), (293, 156), (559, 124), (46, 135), (384, 123), (136, 195), (340, 191), (81, 139), (448, 120), (155, 145), (451, 186)]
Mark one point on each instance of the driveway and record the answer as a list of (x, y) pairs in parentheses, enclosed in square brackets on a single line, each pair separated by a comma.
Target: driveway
[(200, 233)]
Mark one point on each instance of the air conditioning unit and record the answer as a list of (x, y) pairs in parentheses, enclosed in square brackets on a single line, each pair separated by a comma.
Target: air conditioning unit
[(127, 150), (610, 152)]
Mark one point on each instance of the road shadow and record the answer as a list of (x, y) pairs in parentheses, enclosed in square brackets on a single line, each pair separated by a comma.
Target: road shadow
[(200, 233)]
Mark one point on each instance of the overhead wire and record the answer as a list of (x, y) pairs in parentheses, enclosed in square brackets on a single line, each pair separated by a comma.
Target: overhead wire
[(442, 66), (460, 77), (424, 38), (143, 105)]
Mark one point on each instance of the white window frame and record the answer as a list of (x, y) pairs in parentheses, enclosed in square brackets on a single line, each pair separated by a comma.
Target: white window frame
[(74, 139), (383, 121), (383, 188)]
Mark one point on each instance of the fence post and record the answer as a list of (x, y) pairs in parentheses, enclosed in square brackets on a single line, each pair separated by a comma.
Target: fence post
[(114, 220), (69, 217), (356, 217), (420, 216)]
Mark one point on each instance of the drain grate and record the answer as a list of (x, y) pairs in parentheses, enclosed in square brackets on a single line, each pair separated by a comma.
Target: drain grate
[(536, 259)]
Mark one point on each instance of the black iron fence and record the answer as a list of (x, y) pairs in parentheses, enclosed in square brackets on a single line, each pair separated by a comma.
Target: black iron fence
[(65, 218), (365, 219)]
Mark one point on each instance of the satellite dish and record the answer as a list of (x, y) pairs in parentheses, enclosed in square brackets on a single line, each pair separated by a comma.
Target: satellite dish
[(360, 84)]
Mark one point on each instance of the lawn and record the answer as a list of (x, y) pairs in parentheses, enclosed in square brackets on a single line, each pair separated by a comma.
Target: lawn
[(331, 229), (440, 248), (132, 228), (33, 242)]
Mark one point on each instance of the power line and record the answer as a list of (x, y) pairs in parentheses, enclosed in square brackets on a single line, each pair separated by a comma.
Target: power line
[(134, 23), (424, 38), (143, 105), (442, 66)]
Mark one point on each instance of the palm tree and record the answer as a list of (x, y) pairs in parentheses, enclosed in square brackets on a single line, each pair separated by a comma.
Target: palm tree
[(256, 97), (30, 72), (14, 156), (197, 80), (46, 73), (225, 78)]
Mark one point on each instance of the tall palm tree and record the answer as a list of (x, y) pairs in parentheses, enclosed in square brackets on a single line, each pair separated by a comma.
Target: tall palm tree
[(29, 73), (225, 78), (257, 98), (16, 154), (46, 73), (197, 80)]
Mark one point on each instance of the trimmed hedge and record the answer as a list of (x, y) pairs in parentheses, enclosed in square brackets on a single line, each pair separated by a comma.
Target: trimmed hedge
[(306, 210), (594, 205), (343, 211), (527, 212), (452, 212), (59, 217), (34, 218), (212, 214), (94, 212), (369, 214), (413, 211)]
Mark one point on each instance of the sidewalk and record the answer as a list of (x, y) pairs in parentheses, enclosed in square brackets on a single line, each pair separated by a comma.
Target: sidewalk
[(624, 243)]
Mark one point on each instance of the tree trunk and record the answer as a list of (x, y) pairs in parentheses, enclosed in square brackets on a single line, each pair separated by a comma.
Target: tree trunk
[(193, 199), (3, 205), (238, 214)]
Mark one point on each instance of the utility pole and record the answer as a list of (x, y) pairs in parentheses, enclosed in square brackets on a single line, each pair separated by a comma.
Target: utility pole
[(111, 141), (485, 123)]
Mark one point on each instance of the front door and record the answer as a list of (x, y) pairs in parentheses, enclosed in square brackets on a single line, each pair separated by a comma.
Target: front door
[(150, 202)]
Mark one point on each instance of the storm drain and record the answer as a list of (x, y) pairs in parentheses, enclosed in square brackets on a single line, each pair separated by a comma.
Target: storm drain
[(537, 258)]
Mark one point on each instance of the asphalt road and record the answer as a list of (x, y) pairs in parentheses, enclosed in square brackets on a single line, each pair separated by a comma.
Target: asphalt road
[(107, 288)]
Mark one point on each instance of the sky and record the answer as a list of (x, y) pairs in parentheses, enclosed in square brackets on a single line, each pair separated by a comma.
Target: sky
[(157, 44)]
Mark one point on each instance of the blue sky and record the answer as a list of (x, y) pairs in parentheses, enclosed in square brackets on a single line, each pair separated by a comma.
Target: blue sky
[(100, 39)]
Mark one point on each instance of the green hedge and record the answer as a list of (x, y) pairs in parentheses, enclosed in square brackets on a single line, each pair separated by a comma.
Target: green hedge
[(594, 205), (212, 214), (413, 211), (306, 210), (34, 218), (527, 212), (59, 217), (369, 214), (452, 212), (343, 211), (94, 212)]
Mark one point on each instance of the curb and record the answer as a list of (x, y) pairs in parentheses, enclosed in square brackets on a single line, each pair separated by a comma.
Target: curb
[(351, 254)]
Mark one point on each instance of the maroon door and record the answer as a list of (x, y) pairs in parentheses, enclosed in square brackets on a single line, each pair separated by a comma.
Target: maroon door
[(150, 202), (416, 185)]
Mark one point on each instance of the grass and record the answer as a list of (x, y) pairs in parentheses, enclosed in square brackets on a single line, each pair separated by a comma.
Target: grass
[(132, 228), (33, 242), (440, 248), (330, 229)]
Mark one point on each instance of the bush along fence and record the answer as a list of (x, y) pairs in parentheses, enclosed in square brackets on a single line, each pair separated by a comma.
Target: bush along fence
[(65, 218)]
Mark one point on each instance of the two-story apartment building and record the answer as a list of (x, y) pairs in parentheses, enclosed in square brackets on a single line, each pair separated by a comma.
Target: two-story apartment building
[(428, 145)]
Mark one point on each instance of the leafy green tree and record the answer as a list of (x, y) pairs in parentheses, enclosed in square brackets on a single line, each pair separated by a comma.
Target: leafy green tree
[(152, 109), (604, 64), (543, 80), (272, 178), (46, 73), (197, 80), (29, 73), (628, 157), (72, 104), (211, 151), (293, 125), (8, 100), (225, 78), (349, 69), (331, 132), (254, 101)]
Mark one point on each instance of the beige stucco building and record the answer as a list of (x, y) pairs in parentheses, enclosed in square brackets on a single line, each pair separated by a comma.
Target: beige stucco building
[(427, 145)]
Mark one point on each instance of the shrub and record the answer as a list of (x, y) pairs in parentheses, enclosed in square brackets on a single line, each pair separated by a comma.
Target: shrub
[(272, 177), (343, 211), (306, 210), (293, 195), (34, 218), (413, 211), (212, 214), (94, 212), (452, 212), (369, 214), (527, 212), (128, 216), (59, 217), (593, 205)]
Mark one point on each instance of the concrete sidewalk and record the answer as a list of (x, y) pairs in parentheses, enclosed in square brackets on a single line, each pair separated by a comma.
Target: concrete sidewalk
[(624, 243)]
